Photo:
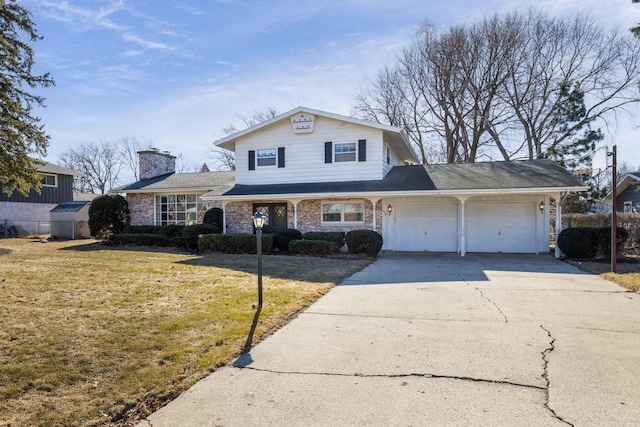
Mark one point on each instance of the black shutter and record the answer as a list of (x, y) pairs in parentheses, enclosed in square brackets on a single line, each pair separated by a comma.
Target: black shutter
[(252, 160), (280, 157), (328, 152), (362, 150)]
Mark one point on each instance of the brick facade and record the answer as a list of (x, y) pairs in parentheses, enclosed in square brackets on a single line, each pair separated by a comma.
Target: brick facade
[(309, 216), (141, 208)]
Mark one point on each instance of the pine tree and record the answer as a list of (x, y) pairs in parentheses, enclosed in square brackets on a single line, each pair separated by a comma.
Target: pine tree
[(21, 134)]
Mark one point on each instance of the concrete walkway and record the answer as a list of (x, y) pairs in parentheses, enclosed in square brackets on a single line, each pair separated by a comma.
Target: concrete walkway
[(435, 339)]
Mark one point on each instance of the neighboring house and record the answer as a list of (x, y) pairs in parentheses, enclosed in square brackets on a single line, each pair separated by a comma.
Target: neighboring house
[(318, 171), (628, 194), (31, 212)]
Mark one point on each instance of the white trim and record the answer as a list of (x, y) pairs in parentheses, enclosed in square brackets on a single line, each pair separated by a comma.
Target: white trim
[(55, 179)]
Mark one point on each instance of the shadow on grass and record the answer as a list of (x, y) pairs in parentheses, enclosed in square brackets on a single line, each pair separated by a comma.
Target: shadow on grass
[(245, 359)]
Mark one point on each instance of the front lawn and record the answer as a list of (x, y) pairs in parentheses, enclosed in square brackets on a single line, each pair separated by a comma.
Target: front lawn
[(91, 335), (627, 271)]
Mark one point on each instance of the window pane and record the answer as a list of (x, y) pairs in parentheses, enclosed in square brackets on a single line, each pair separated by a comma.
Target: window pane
[(191, 198), (354, 212), (346, 148), (331, 212), (267, 157), (345, 157)]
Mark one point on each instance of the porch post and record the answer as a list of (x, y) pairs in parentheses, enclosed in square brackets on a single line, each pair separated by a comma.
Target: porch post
[(224, 218), (374, 202), (463, 237), (295, 213), (558, 223)]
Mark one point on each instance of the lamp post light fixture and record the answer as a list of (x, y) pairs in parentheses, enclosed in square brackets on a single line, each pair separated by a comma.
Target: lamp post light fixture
[(259, 219)]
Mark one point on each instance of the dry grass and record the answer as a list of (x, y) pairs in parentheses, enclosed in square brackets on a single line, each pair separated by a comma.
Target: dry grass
[(627, 271), (95, 336)]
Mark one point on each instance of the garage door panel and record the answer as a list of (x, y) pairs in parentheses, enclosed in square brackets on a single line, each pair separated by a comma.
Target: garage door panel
[(426, 227), (501, 227)]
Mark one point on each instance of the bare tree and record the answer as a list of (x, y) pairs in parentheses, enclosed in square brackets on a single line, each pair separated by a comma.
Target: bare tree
[(225, 159), (512, 86), (98, 163), (184, 166), (128, 149)]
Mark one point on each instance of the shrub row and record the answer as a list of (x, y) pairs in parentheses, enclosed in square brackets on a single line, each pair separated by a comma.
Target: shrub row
[(584, 242), (174, 230), (234, 243), (144, 239), (628, 221), (311, 247)]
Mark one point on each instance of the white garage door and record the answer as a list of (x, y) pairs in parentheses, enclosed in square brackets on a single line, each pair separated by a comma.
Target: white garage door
[(508, 227), (426, 227)]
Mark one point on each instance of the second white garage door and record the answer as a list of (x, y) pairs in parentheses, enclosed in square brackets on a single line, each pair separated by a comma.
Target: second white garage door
[(508, 227), (426, 227)]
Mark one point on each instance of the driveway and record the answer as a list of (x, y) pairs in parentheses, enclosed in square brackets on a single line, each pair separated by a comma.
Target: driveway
[(436, 339)]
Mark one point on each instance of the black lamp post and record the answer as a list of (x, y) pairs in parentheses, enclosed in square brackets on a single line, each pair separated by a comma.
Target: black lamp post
[(259, 220)]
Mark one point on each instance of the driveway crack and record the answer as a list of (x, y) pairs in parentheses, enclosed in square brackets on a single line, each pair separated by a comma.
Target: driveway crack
[(391, 376), (545, 375), (486, 298)]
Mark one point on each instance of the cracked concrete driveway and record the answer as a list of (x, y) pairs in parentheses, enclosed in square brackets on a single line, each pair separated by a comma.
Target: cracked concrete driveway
[(436, 339)]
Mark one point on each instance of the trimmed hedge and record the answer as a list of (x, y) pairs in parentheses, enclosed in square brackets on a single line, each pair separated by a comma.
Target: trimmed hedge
[(282, 238), (173, 230), (604, 239), (147, 239), (191, 233), (213, 217), (364, 242), (234, 243), (628, 221), (579, 242), (311, 247), (335, 237)]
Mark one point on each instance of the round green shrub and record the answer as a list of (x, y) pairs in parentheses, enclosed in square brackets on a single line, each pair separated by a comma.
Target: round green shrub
[(604, 239), (282, 238), (191, 233), (108, 214), (213, 217), (310, 247), (364, 242), (579, 242)]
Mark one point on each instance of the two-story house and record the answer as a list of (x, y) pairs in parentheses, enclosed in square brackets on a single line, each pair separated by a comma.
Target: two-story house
[(318, 171), (31, 212), (627, 194)]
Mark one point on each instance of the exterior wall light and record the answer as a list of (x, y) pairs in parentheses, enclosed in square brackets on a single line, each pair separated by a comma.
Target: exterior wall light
[(541, 206), (389, 208), (259, 219)]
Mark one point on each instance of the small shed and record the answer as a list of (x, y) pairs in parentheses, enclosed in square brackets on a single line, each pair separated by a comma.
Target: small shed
[(70, 220)]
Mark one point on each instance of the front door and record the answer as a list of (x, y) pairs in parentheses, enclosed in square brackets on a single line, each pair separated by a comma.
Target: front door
[(276, 216)]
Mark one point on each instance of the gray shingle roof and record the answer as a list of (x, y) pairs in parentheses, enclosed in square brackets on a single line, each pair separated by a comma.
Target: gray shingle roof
[(55, 169), (218, 182), (446, 177)]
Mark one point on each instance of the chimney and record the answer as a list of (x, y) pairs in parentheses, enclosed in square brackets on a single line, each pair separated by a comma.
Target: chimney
[(154, 163)]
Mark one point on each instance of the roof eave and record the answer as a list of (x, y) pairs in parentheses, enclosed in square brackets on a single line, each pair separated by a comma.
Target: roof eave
[(387, 194)]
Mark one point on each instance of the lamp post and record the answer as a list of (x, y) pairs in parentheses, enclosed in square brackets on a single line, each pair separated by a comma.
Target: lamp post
[(614, 219), (259, 219)]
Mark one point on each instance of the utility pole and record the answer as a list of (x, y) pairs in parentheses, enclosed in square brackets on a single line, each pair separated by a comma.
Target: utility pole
[(614, 218)]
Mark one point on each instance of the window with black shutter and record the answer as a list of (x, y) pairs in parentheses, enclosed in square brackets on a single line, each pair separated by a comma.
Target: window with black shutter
[(328, 152)]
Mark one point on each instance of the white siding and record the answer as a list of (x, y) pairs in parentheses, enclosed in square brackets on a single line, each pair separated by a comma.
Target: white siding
[(304, 154), (394, 159)]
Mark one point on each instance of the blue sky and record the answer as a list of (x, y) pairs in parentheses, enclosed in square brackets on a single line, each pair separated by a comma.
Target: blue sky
[(177, 72)]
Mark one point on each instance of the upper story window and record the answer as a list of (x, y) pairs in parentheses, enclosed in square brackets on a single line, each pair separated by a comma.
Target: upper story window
[(628, 207), (342, 212), (50, 180), (267, 157), (345, 152)]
